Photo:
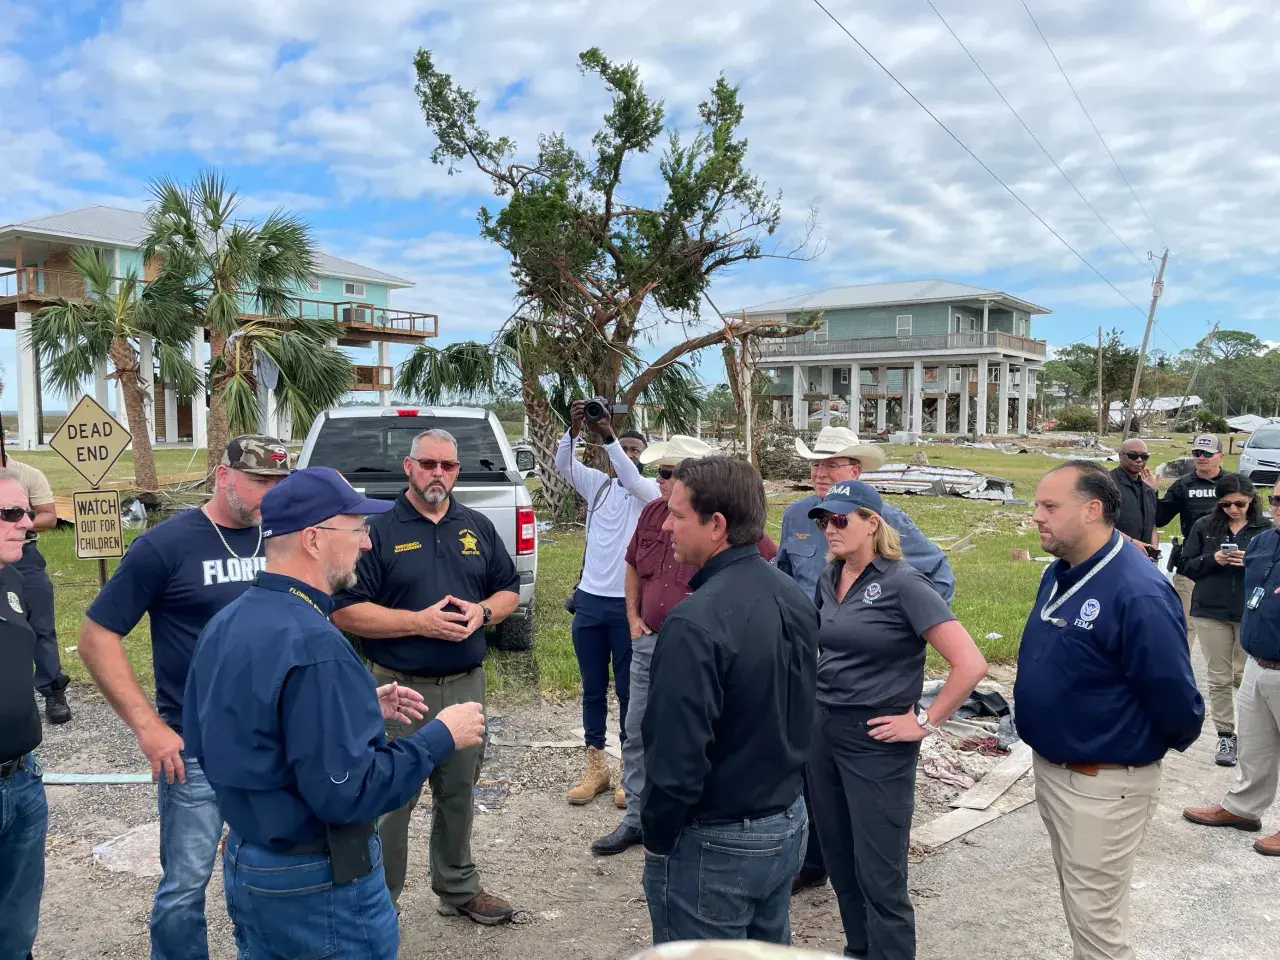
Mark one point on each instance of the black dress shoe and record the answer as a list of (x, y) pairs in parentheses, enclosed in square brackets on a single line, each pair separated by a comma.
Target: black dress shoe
[(624, 838), (806, 878)]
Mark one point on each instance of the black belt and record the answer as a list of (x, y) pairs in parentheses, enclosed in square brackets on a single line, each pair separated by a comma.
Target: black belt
[(362, 831), (346, 846), (10, 767)]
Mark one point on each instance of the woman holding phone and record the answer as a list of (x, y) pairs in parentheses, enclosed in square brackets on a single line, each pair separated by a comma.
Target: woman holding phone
[(1213, 557)]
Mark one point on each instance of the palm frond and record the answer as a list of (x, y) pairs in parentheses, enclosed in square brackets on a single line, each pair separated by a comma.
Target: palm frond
[(432, 374), (177, 370), (241, 401), (677, 395)]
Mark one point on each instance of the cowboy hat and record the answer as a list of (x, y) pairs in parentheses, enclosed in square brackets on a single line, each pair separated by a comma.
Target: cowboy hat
[(842, 442), (679, 447)]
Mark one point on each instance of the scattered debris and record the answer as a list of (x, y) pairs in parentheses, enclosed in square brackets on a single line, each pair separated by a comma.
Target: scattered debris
[(919, 459), (991, 787), (1020, 555), (947, 771), (135, 851), (995, 636), (81, 779), (939, 482), (1173, 469)]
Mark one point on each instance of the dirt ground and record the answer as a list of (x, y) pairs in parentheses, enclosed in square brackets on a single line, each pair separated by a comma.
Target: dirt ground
[(531, 846)]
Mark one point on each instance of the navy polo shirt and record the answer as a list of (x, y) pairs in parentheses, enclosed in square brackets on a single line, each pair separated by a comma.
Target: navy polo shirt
[(1260, 628), (1113, 684), (415, 563), (284, 719)]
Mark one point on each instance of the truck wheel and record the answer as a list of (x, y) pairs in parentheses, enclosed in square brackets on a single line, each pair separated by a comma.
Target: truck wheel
[(514, 633)]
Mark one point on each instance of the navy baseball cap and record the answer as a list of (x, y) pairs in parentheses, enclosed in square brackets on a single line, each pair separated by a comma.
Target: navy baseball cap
[(307, 498), (846, 497)]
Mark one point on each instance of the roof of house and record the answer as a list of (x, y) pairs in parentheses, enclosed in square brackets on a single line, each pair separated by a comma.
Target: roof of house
[(128, 228), (886, 294)]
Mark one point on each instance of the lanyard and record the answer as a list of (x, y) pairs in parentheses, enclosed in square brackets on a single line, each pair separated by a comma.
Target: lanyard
[(1050, 607)]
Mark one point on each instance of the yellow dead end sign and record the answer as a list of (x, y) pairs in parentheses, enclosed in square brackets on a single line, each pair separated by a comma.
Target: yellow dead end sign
[(97, 522), (90, 440)]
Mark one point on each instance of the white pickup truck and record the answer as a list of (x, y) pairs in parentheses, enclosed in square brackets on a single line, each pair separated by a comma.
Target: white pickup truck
[(367, 445)]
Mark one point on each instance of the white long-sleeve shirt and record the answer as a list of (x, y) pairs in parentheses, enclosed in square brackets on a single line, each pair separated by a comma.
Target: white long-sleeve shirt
[(613, 521)]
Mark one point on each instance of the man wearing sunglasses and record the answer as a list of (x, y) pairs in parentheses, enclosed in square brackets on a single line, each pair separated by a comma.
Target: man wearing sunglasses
[(438, 573), (1190, 497), (655, 582), (24, 812), (1136, 520)]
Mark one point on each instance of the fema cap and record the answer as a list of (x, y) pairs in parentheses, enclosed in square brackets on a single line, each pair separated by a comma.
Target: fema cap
[(265, 456), (848, 496), (1207, 441), (309, 497)]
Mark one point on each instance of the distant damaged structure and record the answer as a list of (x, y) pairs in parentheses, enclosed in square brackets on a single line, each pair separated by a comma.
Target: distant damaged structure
[(939, 482)]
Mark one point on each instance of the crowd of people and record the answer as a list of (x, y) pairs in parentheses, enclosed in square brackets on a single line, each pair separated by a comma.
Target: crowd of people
[(768, 693)]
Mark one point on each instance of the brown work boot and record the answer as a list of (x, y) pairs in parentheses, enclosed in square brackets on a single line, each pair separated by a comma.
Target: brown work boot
[(483, 908), (619, 796), (1268, 846), (594, 782), (1219, 816)]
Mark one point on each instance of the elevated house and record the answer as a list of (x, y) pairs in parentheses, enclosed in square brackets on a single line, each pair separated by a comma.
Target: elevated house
[(35, 267), (924, 356)]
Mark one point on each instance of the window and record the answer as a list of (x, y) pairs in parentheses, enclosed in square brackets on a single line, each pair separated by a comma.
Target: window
[(352, 289), (314, 286), (904, 325), (375, 447), (1265, 438), (930, 374), (820, 332), (844, 375)]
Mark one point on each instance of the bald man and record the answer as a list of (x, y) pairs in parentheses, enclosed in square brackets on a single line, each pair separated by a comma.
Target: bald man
[(1136, 520)]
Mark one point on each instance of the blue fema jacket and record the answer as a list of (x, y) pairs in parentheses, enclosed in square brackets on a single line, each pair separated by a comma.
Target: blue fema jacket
[(802, 549), (1260, 628)]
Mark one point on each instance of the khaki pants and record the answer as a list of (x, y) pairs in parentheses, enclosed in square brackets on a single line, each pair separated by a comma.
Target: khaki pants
[(1259, 703), (454, 876), (1095, 826), (1184, 586), (1224, 661)]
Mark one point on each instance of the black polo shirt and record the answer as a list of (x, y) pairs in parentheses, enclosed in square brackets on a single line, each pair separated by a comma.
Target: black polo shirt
[(19, 716), (1137, 517), (415, 563)]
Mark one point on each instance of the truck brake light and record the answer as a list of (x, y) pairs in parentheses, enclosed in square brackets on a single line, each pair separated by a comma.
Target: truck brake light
[(526, 531), (407, 413)]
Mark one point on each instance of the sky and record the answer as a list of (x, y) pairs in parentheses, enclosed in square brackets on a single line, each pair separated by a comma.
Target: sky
[(309, 105)]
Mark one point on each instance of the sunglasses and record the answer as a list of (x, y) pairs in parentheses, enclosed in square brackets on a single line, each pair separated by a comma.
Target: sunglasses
[(1235, 504), (1144, 457), (14, 514), (837, 520), (666, 473), (1199, 454), (448, 466), (1275, 501)]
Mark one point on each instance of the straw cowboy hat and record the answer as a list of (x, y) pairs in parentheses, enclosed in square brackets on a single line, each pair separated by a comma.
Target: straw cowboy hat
[(680, 447), (842, 442)]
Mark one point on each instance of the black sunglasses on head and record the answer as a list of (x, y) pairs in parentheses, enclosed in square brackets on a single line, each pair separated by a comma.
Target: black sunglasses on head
[(14, 514), (1144, 457)]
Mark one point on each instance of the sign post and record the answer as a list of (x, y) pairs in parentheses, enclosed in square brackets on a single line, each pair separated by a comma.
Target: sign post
[(91, 441)]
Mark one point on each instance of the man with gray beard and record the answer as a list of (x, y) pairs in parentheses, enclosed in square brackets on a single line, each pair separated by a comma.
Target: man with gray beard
[(438, 573)]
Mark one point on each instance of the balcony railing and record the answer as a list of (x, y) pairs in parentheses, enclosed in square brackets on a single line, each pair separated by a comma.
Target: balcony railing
[(36, 283), (925, 343), (372, 377)]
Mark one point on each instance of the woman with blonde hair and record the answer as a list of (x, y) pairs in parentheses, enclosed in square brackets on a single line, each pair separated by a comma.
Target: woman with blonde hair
[(878, 616)]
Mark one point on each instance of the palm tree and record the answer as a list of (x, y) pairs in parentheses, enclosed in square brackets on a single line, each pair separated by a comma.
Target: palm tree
[(240, 281), (72, 337)]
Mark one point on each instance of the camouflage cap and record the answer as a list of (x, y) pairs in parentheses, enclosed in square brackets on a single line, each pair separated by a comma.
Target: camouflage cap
[(265, 456)]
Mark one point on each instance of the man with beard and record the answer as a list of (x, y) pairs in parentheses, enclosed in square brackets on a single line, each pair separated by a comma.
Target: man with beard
[(438, 573), (181, 572), (289, 733), (1104, 690)]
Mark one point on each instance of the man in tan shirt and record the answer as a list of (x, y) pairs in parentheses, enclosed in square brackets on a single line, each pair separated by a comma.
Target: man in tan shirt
[(50, 681)]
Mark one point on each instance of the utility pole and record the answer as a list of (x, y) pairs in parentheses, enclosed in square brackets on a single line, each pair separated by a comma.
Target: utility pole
[(1157, 288), (1202, 355), (1102, 411)]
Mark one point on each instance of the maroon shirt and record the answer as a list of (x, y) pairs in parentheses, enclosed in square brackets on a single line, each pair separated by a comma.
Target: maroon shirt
[(664, 581)]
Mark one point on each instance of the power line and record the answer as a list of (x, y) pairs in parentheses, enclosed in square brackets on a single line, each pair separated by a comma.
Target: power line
[(976, 158), (1101, 139), (1043, 148)]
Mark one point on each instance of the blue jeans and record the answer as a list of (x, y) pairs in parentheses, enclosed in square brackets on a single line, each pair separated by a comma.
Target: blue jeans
[(190, 829), (286, 906), (728, 881), (24, 821), (601, 634)]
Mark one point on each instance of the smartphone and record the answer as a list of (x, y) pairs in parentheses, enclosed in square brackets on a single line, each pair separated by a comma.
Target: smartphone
[(1229, 548)]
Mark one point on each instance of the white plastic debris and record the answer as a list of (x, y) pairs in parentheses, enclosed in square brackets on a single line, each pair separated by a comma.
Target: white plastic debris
[(995, 636), (135, 851)]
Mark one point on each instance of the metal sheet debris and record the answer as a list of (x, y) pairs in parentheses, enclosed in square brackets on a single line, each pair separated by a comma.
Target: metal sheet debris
[(940, 482)]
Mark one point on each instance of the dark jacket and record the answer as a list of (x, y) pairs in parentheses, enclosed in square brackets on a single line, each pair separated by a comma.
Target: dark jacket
[(1260, 628), (1188, 498), (1137, 517), (1219, 592), (733, 686)]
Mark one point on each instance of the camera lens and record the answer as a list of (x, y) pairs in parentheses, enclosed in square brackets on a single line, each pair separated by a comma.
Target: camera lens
[(593, 410)]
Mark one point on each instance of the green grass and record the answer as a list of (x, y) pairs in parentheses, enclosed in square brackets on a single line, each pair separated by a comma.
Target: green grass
[(65, 480), (993, 592)]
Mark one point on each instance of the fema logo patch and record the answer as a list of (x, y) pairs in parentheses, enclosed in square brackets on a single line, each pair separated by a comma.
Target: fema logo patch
[(1090, 610), (13, 602), (871, 594)]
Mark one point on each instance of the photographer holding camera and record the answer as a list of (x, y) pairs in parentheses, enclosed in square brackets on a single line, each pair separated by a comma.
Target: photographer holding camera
[(601, 631)]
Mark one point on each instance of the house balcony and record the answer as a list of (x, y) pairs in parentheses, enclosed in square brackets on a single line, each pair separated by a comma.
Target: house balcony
[(926, 345)]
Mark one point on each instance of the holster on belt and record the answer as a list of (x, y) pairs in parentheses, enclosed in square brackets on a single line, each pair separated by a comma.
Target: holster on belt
[(349, 850)]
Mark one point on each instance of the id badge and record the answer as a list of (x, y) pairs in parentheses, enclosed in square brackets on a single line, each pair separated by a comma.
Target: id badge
[(1255, 598)]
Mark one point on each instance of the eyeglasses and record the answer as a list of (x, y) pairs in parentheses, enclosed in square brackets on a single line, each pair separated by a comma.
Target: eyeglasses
[(1234, 504), (448, 466), (666, 473), (362, 529), (1199, 454), (837, 520), (14, 514), (1275, 501), (1144, 457)]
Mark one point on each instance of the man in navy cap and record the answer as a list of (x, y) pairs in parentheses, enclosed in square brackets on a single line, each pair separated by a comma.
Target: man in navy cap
[(290, 735)]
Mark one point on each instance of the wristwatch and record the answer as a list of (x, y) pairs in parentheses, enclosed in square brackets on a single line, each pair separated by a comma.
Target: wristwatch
[(611, 438), (488, 614), (922, 718)]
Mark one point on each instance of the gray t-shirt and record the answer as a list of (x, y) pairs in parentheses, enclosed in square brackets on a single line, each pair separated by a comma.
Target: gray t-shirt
[(872, 644)]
